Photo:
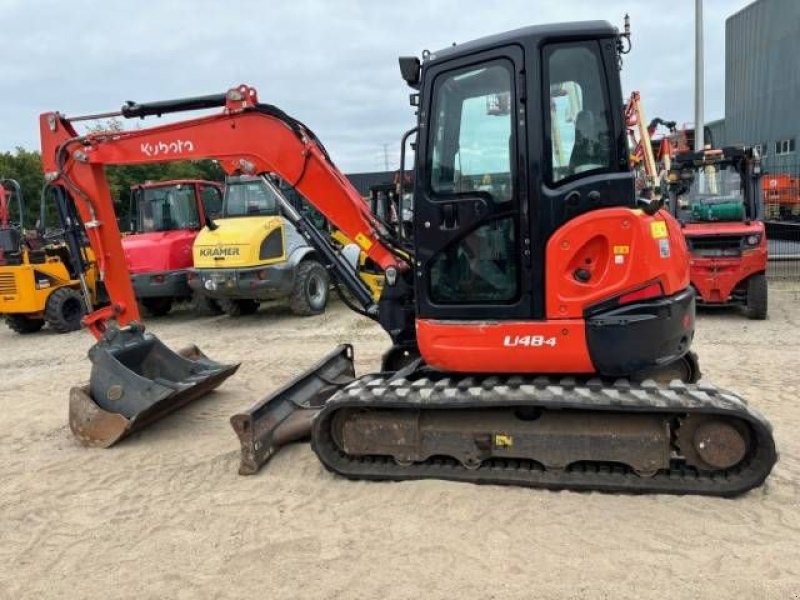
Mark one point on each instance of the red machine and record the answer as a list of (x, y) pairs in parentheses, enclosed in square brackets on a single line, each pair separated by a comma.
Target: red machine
[(532, 317), (4, 221), (781, 194), (715, 194), (165, 219)]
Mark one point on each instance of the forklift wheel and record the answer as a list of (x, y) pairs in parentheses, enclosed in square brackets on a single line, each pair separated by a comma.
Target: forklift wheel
[(22, 324), (64, 310), (756, 307)]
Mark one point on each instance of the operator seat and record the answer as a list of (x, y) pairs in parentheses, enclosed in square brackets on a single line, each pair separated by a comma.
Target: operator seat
[(588, 149)]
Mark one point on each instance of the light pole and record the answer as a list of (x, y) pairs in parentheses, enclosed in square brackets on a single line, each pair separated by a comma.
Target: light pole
[(699, 128)]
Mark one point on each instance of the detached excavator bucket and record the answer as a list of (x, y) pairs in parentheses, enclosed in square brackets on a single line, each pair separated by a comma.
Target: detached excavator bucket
[(135, 381), (286, 415)]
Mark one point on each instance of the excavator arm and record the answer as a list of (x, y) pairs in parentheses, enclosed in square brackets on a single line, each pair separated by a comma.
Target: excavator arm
[(136, 378), (247, 137)]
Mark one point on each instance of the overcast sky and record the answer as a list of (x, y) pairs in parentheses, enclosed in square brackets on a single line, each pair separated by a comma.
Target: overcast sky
[(332, 64)]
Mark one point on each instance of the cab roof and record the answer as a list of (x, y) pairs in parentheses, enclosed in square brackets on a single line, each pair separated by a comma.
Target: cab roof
[(531, 35)]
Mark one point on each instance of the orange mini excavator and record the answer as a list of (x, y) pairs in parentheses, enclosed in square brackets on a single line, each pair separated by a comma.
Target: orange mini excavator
[(540, 319)]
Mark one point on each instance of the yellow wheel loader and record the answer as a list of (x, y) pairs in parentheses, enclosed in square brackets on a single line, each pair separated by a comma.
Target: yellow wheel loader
[(43, 280), (252, 254)]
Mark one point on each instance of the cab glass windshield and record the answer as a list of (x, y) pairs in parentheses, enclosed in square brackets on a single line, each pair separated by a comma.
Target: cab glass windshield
[(167, 209), (249, 199)]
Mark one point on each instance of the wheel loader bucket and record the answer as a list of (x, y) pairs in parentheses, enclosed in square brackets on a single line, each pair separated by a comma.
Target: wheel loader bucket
[(286, 415), (135, 381)]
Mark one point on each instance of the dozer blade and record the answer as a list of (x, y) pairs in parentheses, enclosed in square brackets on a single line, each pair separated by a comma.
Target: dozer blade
[(135, 381), (286, 415)]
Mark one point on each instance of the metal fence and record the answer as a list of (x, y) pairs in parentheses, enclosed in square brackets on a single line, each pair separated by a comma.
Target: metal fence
[(780, 187)]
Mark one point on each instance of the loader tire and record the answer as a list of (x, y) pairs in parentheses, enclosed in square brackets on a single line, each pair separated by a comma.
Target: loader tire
[(64, 310), (311, 286), (205, 306), (22, 324), (756, 307), (238, 308), (157, 307)]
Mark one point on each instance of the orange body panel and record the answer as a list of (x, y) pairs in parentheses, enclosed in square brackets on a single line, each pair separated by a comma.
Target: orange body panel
[(505, 346), (622, 249)]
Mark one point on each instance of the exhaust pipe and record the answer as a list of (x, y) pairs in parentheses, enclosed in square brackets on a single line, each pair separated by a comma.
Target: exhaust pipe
[(135, 381)]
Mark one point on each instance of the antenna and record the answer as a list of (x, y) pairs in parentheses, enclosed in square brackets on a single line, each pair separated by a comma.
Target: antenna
[(624, 40)]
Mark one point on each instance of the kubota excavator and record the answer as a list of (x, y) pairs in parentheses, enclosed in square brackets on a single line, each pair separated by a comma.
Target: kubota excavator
[(535, 319)]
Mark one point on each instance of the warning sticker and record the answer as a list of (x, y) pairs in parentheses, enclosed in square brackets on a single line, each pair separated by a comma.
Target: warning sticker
[(658, 229), (663, 248), (363, 241), (503, 440), (622, 249)]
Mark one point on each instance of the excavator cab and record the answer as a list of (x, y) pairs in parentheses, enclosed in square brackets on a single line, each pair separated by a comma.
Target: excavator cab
[(541, 335)]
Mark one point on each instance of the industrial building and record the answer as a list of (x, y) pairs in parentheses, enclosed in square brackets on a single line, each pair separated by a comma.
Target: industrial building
[(762, 82)]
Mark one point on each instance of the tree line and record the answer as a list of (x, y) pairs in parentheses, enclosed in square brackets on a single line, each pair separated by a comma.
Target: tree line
[(26, 167)]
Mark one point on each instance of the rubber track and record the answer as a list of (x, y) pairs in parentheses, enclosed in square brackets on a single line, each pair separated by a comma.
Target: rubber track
[(680, 399)]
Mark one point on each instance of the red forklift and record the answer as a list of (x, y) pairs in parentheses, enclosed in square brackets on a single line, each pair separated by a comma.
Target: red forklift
[(715, 195), (165, 217)]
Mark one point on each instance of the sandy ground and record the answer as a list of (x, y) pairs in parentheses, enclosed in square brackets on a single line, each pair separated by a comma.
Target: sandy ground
[(164, 514)]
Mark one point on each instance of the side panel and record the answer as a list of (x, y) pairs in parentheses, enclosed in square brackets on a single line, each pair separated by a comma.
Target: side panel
[(605, 253), (160, 251), (236, 243), (19, 291), (505, 346)]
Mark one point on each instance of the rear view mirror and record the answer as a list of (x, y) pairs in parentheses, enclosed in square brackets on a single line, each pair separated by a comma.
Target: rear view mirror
[(410, 70)]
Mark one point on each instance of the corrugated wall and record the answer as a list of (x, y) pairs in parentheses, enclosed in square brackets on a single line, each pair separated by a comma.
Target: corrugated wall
[(762, 76)]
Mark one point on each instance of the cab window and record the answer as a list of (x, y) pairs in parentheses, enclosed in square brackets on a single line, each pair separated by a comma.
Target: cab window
[(212, 200), (249, 198), (579, 117), (479, 268), (167, 208), (471, 132)]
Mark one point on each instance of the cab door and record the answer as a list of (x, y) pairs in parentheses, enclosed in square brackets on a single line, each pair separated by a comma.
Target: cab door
[(471, 224)]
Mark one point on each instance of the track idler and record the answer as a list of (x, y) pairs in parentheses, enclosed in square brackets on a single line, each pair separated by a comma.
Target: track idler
[(135, 381)]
